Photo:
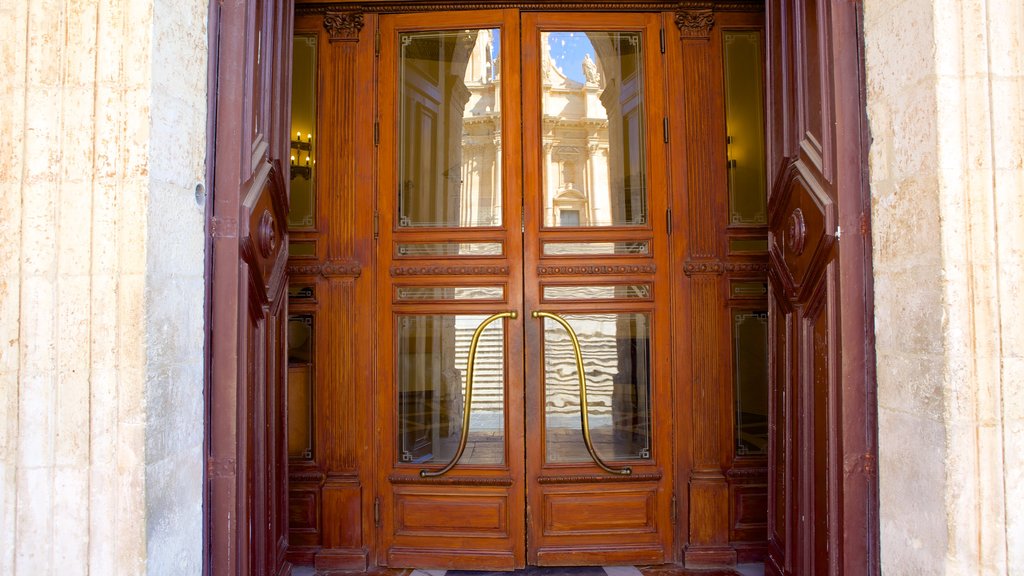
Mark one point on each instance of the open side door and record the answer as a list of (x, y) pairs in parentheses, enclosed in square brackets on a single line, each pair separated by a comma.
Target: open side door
[(246, 503), (823, 516)]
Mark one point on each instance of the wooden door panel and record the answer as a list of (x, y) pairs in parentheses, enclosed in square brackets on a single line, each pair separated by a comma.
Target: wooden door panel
[(814, 81), (628, 513), (472, 513)]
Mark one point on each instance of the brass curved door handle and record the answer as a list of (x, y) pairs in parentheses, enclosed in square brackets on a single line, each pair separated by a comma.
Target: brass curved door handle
[(584, 410), (470, 365)]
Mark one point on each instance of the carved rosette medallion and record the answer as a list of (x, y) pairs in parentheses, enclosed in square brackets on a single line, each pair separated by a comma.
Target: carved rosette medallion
[(328, 269), (343, 26), (695, 23), (796, 232), (704, 267), (266, 236)]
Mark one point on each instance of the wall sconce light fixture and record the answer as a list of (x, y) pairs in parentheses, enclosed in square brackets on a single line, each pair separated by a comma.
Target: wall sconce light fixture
[(302, 153)]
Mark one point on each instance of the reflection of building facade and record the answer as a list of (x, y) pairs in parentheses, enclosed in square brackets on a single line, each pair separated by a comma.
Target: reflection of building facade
[(578, 162), (576, 154), (575, 143)]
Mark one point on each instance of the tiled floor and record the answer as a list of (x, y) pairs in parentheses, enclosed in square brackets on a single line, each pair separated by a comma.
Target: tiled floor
[(663, 570)]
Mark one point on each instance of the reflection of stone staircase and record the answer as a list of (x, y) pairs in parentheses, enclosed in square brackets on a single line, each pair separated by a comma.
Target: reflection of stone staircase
[(600, 357), (488, 384)]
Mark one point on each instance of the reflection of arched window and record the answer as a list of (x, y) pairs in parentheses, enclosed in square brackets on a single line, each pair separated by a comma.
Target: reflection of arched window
[(570, 208)]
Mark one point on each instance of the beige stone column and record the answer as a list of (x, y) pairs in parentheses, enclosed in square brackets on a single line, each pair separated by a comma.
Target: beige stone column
[(101, 286), (945, 90)]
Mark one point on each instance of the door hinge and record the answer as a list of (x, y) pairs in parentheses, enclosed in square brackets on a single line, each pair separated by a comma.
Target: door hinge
[(376, 224), (668, 221), (839, 232), (662, 40), (376, 42), (376, 511), (522, 223), (376, 133), (664, 129), (675, 513)]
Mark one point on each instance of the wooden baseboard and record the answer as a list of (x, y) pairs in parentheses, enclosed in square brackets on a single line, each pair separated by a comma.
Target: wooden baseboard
[(748, 552), (329, 560), (698, 556)]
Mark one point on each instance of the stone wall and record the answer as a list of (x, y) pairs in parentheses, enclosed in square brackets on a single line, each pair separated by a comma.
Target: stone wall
[(945, 91), (101, 286)]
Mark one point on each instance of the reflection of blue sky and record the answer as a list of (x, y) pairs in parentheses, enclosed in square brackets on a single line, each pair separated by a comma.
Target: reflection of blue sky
[(495, 44), (568, 50)]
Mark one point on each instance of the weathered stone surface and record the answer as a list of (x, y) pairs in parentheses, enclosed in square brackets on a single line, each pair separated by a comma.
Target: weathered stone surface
[(101, 286), (945, 88)]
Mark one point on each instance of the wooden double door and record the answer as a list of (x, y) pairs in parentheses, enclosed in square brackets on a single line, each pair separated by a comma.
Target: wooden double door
[(523, 364)]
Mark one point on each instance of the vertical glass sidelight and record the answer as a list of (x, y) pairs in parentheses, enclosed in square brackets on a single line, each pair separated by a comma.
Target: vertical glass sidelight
[(300, 386), (432, 358), (449, 129), (750, 375), (594, 172), (617, 355), (302, 210), (744, 124)]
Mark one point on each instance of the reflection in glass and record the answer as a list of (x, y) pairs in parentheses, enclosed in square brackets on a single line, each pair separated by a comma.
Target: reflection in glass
[(301, 204), (300, 386), (748, 289), (450, 293), (449, 249), (302, 248), (432, 357), (616, 353), (301, 291), (595, 248), (744, 124), (598, 292), (750, 374), (741, 245), (449, 129), (593, 129)]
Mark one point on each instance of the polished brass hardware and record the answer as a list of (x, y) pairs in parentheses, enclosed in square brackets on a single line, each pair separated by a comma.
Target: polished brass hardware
[(470, 365), (584, 410)]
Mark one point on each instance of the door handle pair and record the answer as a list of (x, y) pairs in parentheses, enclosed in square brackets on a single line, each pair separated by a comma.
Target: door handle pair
[(581, 375)]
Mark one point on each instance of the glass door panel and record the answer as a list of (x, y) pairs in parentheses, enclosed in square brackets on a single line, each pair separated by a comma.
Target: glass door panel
[(615, 348), (593, 128), (433, 376), (450, 129)]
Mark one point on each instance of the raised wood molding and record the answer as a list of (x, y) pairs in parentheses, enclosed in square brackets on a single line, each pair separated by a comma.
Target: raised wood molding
[(329, 269), (340, 561), (448, 270), (450, 480), (598, 269), (691, 267), (589, 478), (343, 26), (389, 6)]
